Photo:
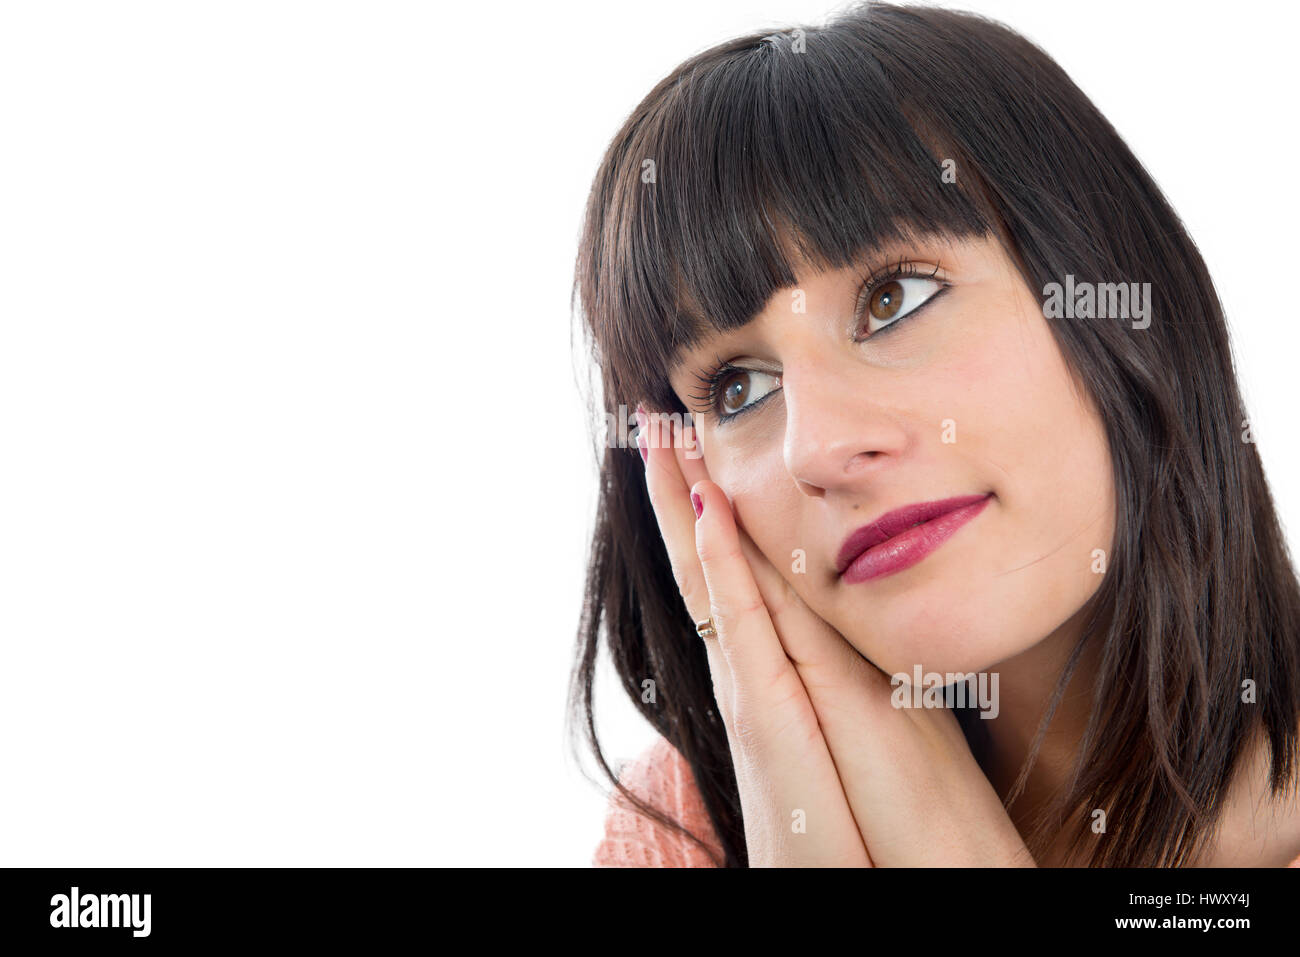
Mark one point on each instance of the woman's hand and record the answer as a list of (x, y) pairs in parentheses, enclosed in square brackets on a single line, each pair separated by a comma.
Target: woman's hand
[(915, 794), (794, 808), (918, 795)]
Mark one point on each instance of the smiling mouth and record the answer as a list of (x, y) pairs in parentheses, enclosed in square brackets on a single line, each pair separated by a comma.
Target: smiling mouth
[(903, 537)]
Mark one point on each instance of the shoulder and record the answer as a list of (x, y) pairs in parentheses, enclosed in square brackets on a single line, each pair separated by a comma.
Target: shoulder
[(662, 778)]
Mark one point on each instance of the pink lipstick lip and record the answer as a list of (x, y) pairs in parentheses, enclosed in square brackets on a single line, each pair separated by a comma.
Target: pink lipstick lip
[(891, 543)]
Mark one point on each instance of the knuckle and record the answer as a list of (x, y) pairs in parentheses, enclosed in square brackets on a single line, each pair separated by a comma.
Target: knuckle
[(722, 700), (656, 498), (717, 553), (688, 583), (729, 615), (747, 727), (781, 602), (752, 715), (779, 725)]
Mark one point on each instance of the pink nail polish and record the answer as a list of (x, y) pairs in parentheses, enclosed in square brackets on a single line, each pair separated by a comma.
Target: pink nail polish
[(697, 503)]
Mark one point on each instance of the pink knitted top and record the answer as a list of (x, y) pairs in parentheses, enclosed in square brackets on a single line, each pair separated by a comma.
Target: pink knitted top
[(662, 778)]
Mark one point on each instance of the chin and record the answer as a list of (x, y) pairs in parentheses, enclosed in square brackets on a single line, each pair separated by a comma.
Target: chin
[(945, 635), (934, 653)]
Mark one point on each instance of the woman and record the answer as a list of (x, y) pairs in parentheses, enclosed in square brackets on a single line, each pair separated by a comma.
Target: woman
[(931, 383)]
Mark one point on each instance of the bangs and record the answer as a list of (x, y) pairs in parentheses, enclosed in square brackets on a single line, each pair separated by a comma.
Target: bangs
[(751, 161)]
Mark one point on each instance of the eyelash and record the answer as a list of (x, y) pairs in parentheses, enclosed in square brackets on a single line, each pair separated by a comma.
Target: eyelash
[(900, 270), (707, 395)]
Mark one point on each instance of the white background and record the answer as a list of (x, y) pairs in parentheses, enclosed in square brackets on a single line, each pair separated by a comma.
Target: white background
[(295, 481)]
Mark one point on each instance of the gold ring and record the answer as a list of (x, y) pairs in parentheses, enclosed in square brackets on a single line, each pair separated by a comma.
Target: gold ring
[(705, 628)]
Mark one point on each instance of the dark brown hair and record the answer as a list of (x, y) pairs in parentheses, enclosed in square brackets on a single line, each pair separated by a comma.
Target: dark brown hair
[(822, 143)]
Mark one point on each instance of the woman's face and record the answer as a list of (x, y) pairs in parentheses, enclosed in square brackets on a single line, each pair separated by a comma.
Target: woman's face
[(946, 384)]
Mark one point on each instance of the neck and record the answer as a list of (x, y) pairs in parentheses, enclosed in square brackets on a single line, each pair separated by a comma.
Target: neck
[(1026, 683), (1253, 829)]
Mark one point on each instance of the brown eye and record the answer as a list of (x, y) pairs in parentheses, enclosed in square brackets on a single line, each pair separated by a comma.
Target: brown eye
[(894, 299), (743, 388), (886, 300), (734, 391)]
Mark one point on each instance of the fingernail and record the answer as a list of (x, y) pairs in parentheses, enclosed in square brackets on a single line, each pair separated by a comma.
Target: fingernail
[(697, 503)]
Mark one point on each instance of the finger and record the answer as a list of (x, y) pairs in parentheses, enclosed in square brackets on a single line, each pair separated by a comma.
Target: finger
[(690, 462), (773, 724), (849, 694), (745, 631), (690, 457), (807, 638), (869, 739), (671, 499)]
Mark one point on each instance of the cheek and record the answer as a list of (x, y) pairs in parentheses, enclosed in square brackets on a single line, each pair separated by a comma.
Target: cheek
[(1054, 444), (1043, 445), (1023, 431), (764, 500), (1049, 462)]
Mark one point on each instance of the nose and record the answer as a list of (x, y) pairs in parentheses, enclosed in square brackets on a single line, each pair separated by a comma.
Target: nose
[(836, 436)]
